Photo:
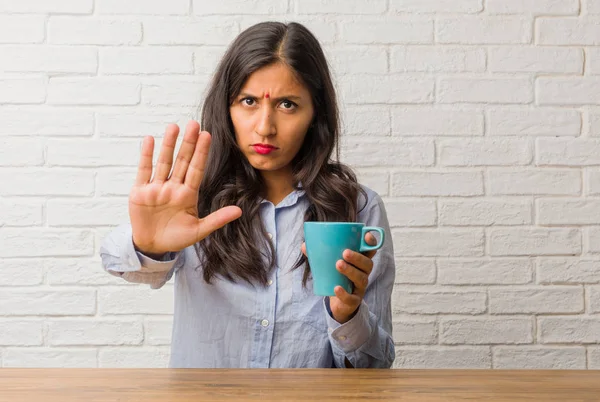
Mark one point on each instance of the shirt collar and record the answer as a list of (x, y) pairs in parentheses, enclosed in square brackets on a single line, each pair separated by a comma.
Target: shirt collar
[(291, 199)]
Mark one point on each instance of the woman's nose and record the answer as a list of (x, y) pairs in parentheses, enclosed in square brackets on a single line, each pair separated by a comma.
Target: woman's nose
[(265, 125)]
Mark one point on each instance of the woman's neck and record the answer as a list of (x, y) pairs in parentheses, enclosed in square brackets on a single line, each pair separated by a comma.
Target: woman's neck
[(278, 185)]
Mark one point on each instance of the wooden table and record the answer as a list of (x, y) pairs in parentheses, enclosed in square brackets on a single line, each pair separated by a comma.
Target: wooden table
[(92, 385)]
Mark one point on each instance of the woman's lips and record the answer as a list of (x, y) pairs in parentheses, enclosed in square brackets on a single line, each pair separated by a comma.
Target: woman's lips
[(263, 149)]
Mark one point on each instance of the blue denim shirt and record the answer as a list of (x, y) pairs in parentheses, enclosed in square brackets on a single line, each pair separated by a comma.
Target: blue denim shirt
[(282, 325)]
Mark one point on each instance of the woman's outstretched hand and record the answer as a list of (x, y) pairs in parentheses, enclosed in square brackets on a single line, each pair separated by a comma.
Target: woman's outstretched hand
[(164, 208)]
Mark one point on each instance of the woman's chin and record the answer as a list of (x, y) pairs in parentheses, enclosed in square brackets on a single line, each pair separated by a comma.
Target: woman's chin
[(267, 167), (263, 165)]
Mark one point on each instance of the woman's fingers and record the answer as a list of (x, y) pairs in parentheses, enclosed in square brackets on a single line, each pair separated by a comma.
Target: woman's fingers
[(359, 260), (144, 172), (350, 299), (195, 171), (186, 151), (165, 158), (358, 277), (371, 241)]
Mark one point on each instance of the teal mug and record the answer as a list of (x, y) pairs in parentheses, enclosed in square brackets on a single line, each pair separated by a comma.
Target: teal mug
[(325, 244)]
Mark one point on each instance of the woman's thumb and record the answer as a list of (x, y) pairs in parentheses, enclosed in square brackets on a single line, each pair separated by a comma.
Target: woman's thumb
[(217, 220)]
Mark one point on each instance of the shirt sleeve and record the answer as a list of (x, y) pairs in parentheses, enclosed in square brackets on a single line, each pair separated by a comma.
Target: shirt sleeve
[(120, 258), (366, 339)]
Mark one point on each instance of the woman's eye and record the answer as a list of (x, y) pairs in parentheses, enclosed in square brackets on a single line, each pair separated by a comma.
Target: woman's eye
[(248, 101), (288, 104)]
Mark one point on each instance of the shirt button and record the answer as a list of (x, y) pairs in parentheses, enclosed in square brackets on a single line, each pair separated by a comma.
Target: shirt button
[(270, 282), (342, 338), (264, 323), (270, 235)]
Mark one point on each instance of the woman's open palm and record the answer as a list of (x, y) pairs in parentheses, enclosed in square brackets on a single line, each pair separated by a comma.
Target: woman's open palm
[(164, 209)]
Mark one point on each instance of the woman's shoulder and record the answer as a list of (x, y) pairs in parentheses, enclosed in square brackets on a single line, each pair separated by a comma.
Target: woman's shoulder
[(368, 196), (369, 203)]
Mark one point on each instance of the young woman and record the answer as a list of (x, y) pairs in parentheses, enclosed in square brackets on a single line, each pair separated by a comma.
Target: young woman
[(225, 217)]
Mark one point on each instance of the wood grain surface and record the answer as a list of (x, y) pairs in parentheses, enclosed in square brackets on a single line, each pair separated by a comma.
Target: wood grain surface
[(177, 385)]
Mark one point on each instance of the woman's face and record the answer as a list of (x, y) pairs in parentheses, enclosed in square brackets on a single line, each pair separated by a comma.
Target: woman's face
[(271, 116)]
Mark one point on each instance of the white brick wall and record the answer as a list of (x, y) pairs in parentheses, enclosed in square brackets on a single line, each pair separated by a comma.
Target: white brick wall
[(477, 121)]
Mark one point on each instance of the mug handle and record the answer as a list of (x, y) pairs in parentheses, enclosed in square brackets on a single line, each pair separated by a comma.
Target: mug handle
[(364, 246)]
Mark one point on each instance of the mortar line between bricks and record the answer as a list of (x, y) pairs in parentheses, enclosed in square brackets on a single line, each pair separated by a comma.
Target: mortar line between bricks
[(388, 60), (46, 32), (536, 339), (586, 309)]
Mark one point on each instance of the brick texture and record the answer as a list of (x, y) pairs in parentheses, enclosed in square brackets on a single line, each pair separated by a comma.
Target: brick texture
[(477, 121)]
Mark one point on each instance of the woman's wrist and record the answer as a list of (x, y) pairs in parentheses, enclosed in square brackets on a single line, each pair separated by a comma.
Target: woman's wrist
[(149, 254)]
